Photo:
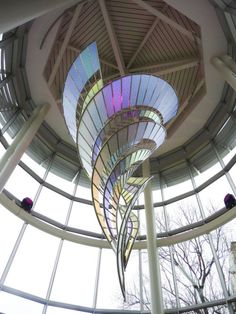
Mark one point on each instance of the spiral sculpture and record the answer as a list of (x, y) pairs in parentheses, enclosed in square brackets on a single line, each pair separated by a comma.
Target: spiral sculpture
[(116, 127)]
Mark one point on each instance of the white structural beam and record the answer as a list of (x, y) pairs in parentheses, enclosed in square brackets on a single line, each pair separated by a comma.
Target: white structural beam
[(22, 140), (171, 66), (14, 13), (65, 43), (148, 34), (141, 245), (153, 258), (113, 39), (167, 20), (227, 69)]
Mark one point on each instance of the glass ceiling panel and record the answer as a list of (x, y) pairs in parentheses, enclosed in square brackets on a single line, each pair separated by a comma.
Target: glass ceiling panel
[(40, 249), (76, 275), (11, 304)]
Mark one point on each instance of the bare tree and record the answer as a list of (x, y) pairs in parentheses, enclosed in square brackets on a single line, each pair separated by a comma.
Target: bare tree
[(192, 264)]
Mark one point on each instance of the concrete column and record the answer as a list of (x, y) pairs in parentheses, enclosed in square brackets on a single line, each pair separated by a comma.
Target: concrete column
[(227, 69), (14, 13), (153, 258), (22, 140)]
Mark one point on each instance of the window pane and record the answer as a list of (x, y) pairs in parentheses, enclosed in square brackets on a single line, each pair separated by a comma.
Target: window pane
[(183, 212), (146, 281), (10, 227), (2, 150), (109, 293), (11, 304), (177, 189), (60, 183), (57, 310), (204, 176), (52, 204), (21, 184), (33, 263), (132, 282), (77, 272), (84, 217), (37, 168), (84, 192), (212, 196)]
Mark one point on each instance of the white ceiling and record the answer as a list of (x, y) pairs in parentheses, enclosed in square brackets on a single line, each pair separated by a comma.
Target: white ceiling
[(213, 43)]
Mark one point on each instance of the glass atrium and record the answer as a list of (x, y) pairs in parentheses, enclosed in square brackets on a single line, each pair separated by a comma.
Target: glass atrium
[(56, 258)]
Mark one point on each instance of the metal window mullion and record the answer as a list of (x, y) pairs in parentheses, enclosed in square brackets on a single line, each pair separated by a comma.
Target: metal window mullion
[(218, 266), (44, 179), (228, 176), (49, 291), (13, 253), (51, 282), (97, 280), (140, 271), (170, 247), (10, 121)]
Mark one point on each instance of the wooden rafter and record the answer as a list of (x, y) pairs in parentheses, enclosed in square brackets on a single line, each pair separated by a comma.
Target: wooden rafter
[(166, 19), (113, 38), (65, 43)]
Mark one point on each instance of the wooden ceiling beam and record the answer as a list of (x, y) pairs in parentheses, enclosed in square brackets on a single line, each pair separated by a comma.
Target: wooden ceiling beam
[(172, 66), (65, 43), (167, 20), (113, 38), (151, 29)]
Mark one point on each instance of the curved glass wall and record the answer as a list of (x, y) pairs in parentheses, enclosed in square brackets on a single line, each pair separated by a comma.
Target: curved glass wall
[(31, 256)]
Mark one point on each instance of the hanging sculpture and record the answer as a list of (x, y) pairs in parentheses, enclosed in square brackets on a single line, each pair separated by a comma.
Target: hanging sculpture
[(116, 127)]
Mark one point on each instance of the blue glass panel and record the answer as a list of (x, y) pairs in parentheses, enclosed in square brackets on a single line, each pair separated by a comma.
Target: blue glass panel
[(101, 107), (71, 85), (143, 88), (117, 96), (151, 86), (86, 60), (81, 71), (134, 89), (76, 78), (158, 90), (107, 93), (126, 81), (141, 130), (132, 132), (95, 58)]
